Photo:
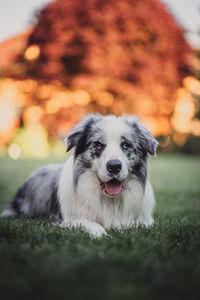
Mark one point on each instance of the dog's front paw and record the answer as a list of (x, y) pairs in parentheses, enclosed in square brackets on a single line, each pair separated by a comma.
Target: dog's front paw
[(96, 230), (93, 228), (147, 221)]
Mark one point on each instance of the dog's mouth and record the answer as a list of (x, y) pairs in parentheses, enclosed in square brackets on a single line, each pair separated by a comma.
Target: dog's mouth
[(113, 187)]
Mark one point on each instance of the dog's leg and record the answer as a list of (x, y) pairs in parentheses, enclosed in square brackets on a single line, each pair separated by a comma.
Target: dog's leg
[(8, 212), (93, 228), (146, 209)]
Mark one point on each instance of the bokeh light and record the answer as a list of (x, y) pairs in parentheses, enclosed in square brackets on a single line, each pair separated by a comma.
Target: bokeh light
[(14, 151), (32, 52)]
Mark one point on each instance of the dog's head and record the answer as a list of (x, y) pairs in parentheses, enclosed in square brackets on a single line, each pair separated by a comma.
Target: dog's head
[(114, 148)]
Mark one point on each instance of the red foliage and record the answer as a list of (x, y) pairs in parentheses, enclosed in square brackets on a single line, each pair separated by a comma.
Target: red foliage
[(125, 47)]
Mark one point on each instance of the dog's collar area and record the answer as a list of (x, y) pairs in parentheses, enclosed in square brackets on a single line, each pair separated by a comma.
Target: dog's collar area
[(113, 187)]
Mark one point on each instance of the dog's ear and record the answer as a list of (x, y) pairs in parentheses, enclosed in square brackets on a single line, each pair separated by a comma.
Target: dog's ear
[(72, 139), (146, 140), (79, 134)]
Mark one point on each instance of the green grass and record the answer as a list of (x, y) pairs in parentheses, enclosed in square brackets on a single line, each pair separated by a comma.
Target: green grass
[(39, 260)]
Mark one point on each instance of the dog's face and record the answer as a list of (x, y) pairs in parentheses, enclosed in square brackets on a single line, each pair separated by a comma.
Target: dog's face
[(114, 148)]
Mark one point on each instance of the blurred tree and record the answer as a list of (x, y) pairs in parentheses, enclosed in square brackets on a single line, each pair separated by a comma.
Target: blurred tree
[(135, 41), (130, 51)]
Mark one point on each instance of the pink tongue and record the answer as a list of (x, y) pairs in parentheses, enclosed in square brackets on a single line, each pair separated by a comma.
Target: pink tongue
[(113, 189)]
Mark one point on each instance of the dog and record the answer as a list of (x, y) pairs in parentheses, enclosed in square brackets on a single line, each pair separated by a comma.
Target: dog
[(103, 184)]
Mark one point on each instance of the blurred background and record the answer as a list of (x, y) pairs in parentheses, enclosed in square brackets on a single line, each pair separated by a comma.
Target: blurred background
[(62, 59)]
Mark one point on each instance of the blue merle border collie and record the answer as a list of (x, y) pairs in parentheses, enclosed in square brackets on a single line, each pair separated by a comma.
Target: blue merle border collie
[(103, 184)]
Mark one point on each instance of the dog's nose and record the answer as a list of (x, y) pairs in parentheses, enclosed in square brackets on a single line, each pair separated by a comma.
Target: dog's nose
[(114, 166)]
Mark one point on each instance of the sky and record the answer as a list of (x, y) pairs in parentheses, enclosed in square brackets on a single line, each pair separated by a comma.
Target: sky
[(16, 16)]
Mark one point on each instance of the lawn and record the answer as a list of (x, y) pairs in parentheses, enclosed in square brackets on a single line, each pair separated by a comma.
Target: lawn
[(39, 260)]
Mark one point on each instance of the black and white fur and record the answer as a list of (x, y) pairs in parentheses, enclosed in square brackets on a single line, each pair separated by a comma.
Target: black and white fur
[(84, 191)]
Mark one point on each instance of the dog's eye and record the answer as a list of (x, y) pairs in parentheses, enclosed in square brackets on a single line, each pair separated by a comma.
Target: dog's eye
[(99, 146), (125, 145)]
